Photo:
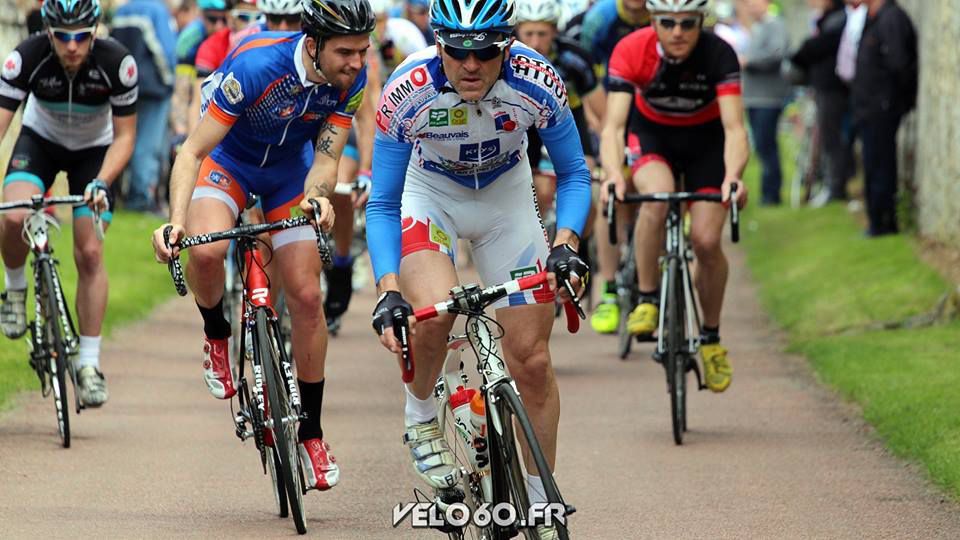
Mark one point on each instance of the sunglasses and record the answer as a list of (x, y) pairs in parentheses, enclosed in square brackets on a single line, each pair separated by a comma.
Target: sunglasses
[(484, 55), (245, 16), (66, 36), (291, 20), (669, 23), (216, 19)]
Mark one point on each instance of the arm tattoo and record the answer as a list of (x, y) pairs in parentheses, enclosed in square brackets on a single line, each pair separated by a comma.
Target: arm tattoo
[(319, 190), (328, 128), (325, 146)]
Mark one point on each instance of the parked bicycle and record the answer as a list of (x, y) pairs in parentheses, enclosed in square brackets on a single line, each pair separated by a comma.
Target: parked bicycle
[(678, 333), (491, 462), (53, 334), (269, 409)]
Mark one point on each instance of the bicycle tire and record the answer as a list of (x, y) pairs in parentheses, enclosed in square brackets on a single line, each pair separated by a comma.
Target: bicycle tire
[(279, 488), (676, 351), (58, 351), (626, 295), (509, 484), (469, 483), (284, 438)]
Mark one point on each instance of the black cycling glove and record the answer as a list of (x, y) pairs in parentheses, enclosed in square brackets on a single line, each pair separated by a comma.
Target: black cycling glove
[(390, 306), (565, 262)]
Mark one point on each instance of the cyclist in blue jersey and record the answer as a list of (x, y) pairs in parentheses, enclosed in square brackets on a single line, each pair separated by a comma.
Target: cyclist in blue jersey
[(461, 111), (275, 95)]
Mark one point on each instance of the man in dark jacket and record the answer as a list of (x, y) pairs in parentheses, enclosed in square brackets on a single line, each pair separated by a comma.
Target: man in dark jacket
[(817, 56), (884, 90), (148, 29)]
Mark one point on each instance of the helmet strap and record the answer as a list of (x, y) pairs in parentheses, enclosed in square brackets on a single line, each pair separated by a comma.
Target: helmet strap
[(316, 57)]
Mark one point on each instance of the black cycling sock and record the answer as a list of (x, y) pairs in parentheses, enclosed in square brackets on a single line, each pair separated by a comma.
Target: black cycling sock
[(610, 287), (650, 297), (709, 335), (215, 325), (311, 399)]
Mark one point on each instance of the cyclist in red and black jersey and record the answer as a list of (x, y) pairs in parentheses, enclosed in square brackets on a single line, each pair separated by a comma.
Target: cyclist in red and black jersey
[(685, 85)]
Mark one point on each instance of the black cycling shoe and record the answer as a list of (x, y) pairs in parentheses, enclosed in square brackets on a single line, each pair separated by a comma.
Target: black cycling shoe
[(339, 291)]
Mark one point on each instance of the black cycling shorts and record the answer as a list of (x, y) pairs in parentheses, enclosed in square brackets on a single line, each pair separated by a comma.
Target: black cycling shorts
[(38, 161), (694, 153)]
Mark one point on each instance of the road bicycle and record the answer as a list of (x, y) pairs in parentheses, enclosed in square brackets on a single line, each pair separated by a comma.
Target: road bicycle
[(678, 331), (502, 480), (269, 409), (53, 335)]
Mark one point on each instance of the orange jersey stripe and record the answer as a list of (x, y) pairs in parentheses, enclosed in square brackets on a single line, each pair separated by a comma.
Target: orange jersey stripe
[(262, 42), (340, 121), (220, 115)]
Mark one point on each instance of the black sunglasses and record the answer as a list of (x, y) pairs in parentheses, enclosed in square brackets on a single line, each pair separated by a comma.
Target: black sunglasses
[(291, 20), (484, 55), (686, 24), (214, 19)]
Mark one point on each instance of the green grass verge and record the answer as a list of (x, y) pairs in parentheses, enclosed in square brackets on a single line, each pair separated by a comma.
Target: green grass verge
[(823, 282), (137, 285)]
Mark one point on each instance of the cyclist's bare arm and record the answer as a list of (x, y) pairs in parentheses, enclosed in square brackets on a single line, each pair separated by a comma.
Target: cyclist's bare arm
[(183, 178), (193, 111), (736, 148), (595, 106), (120, 150), (6, 116), (364, 119), (322, 177), (612, 139)]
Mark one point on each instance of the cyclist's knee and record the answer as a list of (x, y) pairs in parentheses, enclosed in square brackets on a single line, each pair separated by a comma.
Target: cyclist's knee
[(89, 257), (531, 360), (207, 258), (707, 245), (434, 330), (304, 298), (12, 222)]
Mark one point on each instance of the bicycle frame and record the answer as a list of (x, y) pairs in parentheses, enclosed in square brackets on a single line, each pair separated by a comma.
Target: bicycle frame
[(676, 248)]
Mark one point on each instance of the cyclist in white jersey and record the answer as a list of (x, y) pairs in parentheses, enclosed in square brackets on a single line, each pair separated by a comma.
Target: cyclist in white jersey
[(461, 111)]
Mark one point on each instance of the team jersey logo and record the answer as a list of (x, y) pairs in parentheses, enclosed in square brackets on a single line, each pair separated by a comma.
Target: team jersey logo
[(128, 71), (12, 65), (440, 118), (354, 102), (503, 122), (231, 89), (480, 152), (459, 117), (219, 179)]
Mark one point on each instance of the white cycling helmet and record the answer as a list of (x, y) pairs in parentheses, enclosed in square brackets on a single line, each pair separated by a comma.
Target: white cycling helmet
[(380, 6), (280, 7), (538, 11), (678, 6)]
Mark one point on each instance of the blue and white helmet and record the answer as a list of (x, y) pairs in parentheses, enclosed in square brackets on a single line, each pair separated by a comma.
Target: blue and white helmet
[(59, 13), (468, 24)]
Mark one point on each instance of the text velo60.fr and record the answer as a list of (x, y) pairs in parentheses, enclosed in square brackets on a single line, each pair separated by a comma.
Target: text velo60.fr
[(428, 515)]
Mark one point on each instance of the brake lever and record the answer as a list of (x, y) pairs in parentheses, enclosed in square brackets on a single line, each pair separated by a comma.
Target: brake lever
[(323, 241), (574, 299), (401, 323)]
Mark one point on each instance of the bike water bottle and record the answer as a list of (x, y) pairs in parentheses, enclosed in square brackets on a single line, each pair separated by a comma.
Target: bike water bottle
[(460, 407), (478, 419)]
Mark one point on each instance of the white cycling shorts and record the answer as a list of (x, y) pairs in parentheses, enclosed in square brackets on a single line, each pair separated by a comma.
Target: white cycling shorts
[(501, 221)]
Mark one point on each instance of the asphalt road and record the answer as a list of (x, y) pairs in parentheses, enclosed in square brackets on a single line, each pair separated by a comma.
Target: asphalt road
[(776, 456)]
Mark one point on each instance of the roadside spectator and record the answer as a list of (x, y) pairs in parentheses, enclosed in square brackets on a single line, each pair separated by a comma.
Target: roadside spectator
[(733, 25), (765, 92), (884, 89), (185, 12), (148, 30), (850, 40), (418, 11), (817, 56)]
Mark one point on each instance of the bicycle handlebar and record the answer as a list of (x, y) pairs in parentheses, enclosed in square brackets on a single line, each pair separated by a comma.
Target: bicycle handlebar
[(352, 187), (39, 202), (472, 300), (669, 197), (243, 231)]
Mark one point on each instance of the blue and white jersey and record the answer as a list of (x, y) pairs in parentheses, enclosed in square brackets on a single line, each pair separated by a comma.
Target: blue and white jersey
[(261, 90), (422, 122), (471, 143)]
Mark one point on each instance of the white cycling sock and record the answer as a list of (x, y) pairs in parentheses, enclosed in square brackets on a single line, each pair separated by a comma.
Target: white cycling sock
[(16, 278), (535, 491), (89, 354), (418, 411)]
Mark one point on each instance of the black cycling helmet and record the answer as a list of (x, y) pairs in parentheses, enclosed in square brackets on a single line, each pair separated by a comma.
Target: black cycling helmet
[(325, 18), (60, 13)]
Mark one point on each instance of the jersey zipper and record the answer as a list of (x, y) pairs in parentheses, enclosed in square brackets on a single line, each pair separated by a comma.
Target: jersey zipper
[(286, 128)]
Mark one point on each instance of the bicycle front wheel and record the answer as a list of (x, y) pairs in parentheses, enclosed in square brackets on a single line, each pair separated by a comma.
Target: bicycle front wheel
[(676, 351), (284, 418), (509, 483), (56, 348)]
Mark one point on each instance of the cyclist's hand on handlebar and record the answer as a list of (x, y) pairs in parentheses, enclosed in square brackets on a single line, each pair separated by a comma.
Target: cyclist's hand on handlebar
[(565, 264), (327, 216), (161, 246), (362, 193), (390, 306), (95, 195), (741, 196), (620, 188)]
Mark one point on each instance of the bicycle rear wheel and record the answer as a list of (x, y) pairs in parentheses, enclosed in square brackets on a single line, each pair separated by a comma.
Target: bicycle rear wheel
[(283, 418), (676, 351), (509, 483), (626, 297)]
